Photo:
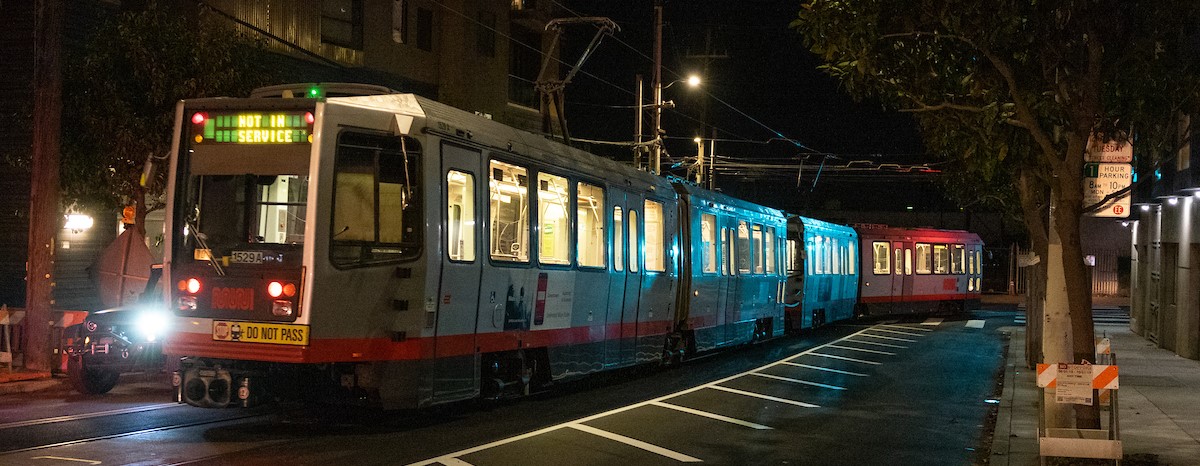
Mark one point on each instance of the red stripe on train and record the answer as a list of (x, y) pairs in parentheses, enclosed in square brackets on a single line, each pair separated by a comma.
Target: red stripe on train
[(918, 298)]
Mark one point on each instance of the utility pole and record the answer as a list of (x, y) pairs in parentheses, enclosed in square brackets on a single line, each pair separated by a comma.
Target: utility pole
[(637, 131), (44, 215), (656, 156)]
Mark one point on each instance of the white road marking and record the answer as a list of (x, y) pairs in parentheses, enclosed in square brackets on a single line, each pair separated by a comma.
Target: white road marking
[(765, 397), (875, 343), (888, 330), (881, 337), (932, 321), (975, 324), (907, 327), (710, 415), (454, 462), (864, 350), (805, 382), (62, 458), (826, 369), (76, 417), (844, 358), (636, 443)]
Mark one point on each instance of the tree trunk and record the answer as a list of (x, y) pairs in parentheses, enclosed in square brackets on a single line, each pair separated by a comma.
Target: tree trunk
[(1033, 196), (44, 216)]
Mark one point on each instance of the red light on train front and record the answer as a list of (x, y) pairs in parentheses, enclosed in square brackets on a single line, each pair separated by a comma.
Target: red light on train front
[(199, 118), (275, 289), (308, 116), (193, 285), (289, 290)]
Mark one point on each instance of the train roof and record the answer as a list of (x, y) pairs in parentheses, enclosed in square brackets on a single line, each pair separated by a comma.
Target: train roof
[(868, 232), (823, 226), (716, 200)]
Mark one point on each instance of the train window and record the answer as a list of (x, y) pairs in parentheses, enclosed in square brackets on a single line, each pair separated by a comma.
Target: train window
[(708, 245), (375, 211), (957, 258), (769, 244), (727, 263), (589, 206), (655, 237), (835, 252), (756, 244), (460, 216), (509, 192), (941, 259), (882, 258), (907, 261), (743, 247), (852, 264), (924, 259), (794, 258), (618, 240), (554, 220), (898, 271), (634, 251)]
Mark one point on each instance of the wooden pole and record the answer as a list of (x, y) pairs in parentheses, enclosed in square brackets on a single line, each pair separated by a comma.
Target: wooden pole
[(44, 215)]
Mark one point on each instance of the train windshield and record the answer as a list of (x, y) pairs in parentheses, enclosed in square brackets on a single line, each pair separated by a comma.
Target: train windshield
[(243, 184)]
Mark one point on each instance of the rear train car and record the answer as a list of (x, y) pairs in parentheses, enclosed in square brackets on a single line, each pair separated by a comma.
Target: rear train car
[(822, 273), (916, 270)]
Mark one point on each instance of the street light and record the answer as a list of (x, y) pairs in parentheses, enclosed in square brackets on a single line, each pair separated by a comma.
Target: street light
[(656, 159)]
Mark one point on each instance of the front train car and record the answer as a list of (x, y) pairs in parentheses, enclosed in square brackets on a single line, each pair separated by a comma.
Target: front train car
[(393, 251), (822, 272), (915, 270)]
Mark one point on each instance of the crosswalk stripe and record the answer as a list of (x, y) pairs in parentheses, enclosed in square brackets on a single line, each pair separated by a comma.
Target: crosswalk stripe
[(875, 343), (907, 327), (765, 397), (864, 350), (932, 321), (882, 337), (888, 330), (975, 323)]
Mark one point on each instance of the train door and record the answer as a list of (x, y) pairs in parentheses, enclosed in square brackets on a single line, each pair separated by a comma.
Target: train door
[(458, 296), (621, 333), (906, 289), (898, 278)]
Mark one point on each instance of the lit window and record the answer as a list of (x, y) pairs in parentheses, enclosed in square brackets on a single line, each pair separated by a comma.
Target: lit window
[(882, 258), (708, 238), (460, 216), (769, 244), (618, 240), (908, 265), (655, 237), (924, 259), (756, 243), (554, 220), (589, 205), (634, 250), (957, 259), (743, 247), (509, 192), (941, 259)]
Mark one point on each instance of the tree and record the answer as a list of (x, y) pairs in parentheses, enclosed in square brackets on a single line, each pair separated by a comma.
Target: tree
[(121, 92), (1020, 86)]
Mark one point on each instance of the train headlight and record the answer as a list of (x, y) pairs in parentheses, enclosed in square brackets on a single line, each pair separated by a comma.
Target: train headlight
[(186, 303), (275, 289), (281, 307), (152, 324), (190, 285)]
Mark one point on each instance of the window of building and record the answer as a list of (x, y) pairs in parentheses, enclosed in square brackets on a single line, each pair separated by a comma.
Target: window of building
[(589, 245), (485, 34), (524, 64), (376, 216), (882, 259), (957, 257), (618, 240), (708, 243), (425, 29), (400, 21), (655, 237), (634, 250), (342, 23), (460, 216), (941, 259), (743, 247), (508, 189), (554, 220), (769, 251), (924, 259)]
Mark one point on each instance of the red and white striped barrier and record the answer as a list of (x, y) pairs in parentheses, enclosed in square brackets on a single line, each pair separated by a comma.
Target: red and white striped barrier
[(1103, 376)]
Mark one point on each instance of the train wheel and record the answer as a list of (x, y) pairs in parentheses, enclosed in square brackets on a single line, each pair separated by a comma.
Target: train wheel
[(89, 380)]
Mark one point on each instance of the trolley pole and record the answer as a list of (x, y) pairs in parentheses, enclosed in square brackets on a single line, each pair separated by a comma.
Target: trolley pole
[(637, 130)]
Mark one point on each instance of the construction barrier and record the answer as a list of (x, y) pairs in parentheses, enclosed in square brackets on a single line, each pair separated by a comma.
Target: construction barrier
[(1072, 384)]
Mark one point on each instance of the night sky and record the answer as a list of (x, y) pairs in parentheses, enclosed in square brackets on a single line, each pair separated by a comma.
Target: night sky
[(769, 75)]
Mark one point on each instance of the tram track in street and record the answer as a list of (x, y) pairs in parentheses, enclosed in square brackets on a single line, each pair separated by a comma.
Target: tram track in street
[(131, 433)]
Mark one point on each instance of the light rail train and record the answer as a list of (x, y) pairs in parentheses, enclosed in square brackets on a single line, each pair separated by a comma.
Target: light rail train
[(393, 251)]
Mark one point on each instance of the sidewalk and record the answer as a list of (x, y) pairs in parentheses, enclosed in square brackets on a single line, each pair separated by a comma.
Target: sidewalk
[(1159, 403), (24, 381)]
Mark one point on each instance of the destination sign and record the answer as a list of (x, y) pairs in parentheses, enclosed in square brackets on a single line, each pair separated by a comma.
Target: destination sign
[(290, 127)]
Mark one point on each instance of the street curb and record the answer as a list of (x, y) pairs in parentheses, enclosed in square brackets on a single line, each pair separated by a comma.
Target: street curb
[(29, 386), (1002, 435)]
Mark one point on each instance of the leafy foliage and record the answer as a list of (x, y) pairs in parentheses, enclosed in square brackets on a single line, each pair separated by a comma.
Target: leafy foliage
[(121, 89)]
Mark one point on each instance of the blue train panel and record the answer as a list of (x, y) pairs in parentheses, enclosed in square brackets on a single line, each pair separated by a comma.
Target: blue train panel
[(822, 273)]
